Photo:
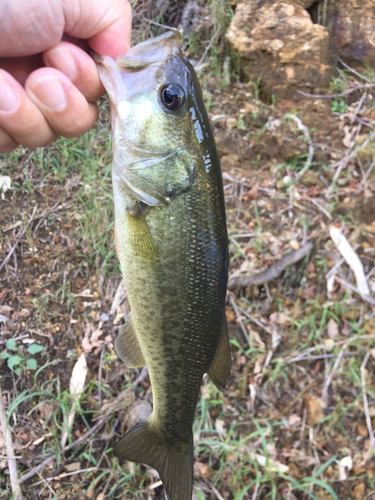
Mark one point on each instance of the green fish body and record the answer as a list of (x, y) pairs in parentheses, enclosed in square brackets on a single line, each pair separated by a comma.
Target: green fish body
[(173, 247)]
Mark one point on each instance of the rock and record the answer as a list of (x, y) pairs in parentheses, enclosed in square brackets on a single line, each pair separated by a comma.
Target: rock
[(351, 27), (280, 46)]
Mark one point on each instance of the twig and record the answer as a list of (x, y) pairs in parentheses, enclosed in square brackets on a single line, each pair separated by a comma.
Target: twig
[(100, 373), (196, 66), (355, 290), (90, 432), (17, 495), (303, 355), (364, 180), (328, 380), (364, 86), (254, 320), (274, 271), (322, 209), (365, 402), (118, 298), (306, 133), (353, 70), (23, 230), (65, 474), (352, 259), (255, 494), (235, 307), (358, 108)]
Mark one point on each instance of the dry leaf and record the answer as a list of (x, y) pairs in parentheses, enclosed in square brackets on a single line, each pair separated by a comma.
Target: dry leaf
[(73, 466), (333, 329), (362, 430), (329, 344), (294, 419), (78, 378), (269, 464), (220, 427), (359, 490), (253, 193), (5, 309), (352, 259), (139, 411), (315, 409), (344, 463), (76, 386), (294, 244), (5, 184), (259, 364), (119, 316)]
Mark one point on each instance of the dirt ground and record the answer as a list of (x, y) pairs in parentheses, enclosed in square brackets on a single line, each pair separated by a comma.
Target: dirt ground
[(295, 420)]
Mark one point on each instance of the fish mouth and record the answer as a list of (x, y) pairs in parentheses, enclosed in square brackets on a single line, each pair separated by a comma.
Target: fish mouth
[(152, 51)]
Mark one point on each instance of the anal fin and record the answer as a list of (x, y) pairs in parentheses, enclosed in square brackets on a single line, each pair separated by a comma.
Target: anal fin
[(220, 367), (127, 345)]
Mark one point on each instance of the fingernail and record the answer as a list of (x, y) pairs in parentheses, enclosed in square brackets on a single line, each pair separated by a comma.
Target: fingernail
[(8, 99), (63, 60), (49, 91)]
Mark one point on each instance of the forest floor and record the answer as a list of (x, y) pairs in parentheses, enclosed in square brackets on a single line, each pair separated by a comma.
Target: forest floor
[(295, 419)]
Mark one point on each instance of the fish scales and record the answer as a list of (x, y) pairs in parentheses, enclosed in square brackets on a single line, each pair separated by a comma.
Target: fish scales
[(173, 247)]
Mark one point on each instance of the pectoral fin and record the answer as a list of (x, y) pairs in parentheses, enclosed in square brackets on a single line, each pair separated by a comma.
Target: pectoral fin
[(220, 367), (140, 237), (127, 345)]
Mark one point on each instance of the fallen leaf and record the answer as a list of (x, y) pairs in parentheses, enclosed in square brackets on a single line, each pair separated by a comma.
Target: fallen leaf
[(73, 466), (78, 378), (359, 490), (345, 464), (332, 329), (362, 430), (118, 318), (294, 245), (314, 407), (5, 309), (269, 464), (294, 419), (5, 184), (253, 193), (329, 344), (201, 470), (139, 411)]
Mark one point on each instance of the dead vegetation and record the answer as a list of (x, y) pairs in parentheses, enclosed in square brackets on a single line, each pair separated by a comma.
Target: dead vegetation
[(296, 419)]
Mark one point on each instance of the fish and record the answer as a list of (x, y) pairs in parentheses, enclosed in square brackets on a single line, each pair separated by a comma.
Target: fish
[(172, 243)]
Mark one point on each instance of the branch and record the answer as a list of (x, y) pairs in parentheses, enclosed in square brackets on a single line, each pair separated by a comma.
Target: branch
[(17, 495), (273, 271)]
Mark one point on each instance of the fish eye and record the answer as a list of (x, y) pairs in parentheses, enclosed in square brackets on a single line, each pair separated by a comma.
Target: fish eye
[(172, 96)]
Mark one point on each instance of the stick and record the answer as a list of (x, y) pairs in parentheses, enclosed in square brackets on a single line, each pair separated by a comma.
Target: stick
[(352, 259), (89, 433), (364, 86), (365, 402), (273, 271), (17, 495), (306, 133)]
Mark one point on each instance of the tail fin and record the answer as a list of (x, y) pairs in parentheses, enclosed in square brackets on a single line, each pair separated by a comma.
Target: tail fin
[(174, 462)]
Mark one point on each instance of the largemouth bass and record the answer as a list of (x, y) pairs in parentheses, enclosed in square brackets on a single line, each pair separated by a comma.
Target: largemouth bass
[(173, 247)]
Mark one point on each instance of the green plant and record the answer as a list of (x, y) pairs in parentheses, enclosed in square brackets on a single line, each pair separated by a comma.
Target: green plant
[(17, 360)]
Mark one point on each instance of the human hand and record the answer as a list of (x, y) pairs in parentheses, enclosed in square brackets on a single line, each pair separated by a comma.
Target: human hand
[(49, 87)]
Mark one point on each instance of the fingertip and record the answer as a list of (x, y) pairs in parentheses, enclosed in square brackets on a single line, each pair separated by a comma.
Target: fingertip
[(78, 66), (114, 40), (7, 142)]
